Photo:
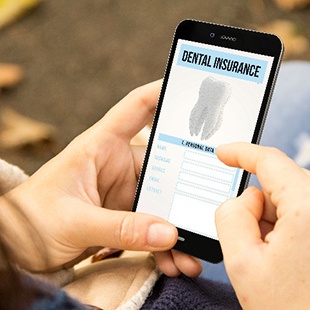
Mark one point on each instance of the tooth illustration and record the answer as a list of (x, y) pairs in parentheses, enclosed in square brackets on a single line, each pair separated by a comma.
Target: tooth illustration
[(207, 114)]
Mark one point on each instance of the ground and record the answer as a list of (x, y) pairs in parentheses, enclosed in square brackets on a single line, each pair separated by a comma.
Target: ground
[(81, 57)]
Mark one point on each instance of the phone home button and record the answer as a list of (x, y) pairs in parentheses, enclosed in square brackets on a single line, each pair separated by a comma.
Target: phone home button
[(181, 238)]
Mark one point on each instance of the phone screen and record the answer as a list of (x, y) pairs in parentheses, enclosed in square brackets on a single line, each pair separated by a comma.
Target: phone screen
[(213, 95)]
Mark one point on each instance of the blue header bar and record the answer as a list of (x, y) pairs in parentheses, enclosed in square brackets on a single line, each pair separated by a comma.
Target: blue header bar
[(236, 66), (186, 143)]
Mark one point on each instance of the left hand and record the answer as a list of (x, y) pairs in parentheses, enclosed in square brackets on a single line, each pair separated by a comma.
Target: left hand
[(73, 202)]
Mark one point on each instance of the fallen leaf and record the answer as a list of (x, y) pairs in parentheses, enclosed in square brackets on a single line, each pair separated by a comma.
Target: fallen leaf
[(18, 131), (11, 10), (10, 75), (289, 5)]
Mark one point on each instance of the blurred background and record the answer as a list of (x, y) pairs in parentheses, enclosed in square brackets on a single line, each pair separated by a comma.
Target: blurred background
[(65, 63)]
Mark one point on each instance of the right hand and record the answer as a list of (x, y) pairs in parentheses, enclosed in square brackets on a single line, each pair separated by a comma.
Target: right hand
[(264, 234)]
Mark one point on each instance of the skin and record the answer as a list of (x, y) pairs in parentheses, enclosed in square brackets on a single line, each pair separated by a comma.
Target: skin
[(265, 234), (79, 200)]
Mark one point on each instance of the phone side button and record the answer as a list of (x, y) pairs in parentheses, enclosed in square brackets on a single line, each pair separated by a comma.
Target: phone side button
[(181, 238)]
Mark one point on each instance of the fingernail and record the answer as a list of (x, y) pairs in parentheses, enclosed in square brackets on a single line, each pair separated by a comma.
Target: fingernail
[(161, 235)]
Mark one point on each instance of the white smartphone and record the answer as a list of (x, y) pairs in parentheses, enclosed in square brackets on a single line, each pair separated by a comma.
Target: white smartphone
[(216, 89)]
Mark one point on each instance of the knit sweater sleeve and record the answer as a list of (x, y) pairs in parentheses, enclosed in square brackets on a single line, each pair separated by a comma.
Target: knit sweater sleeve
[(186, 293)]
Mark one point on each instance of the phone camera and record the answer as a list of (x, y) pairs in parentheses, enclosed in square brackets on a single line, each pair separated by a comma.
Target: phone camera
[(212, 35)]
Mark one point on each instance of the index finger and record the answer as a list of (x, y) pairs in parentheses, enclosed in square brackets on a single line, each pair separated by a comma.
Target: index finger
[(274, 170), (133, 112)]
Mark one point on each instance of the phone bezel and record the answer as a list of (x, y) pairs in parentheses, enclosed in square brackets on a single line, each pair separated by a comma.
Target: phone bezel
[(246, 40)]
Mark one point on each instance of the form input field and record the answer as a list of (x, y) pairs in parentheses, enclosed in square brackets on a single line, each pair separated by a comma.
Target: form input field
[(203, 181), (206, 159), (210, 171), (200, 192)]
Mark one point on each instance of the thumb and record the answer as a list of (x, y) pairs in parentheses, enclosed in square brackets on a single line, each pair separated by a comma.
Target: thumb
[(128, 231), (237, 222)]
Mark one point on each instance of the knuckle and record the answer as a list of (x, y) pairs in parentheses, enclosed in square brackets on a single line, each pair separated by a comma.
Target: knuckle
[(135, 94), (142, 98), (128, 235), (274, 154), (271, 155), (273, 151), (236, 265)]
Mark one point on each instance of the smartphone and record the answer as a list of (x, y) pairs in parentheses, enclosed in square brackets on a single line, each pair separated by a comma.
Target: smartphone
[(216, 90)]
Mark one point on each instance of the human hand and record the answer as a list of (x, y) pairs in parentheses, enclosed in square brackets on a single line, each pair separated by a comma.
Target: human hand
[(70, 203), (265, 234)]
